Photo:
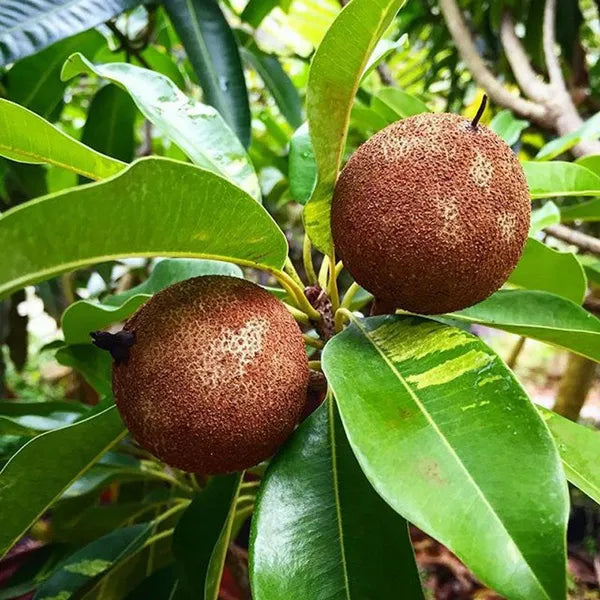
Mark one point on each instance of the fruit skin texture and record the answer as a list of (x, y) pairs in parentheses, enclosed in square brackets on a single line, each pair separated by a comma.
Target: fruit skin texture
[(430, 214), (216, 380)]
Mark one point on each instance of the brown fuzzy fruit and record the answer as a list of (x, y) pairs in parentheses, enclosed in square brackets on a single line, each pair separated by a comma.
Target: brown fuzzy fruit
[(431, 214), (216, 380)]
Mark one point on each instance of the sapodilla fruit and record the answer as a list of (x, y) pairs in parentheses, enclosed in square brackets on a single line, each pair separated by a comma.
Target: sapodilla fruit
[(431, 214), (217, 376)]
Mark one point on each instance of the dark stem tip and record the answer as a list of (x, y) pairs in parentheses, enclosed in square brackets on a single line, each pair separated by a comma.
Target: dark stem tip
[(118, 344), (480, 112)]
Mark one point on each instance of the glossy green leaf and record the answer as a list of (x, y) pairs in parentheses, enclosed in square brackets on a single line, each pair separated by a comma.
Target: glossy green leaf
[(109, 127), (383, 49), (156, 207), (28, 138), (590, 130), (202, 535), (161, 585), (47, 465), (125, 576), (302, 165), (82, 567), (173, 270), (84, 316), (585, 211), (541, 316), (196, 128), (34, 82), (394, 104), (591, 266), (94, 364), (448, 437), (538, 267), (335, 74), (317, 514), (277, 81), (256, 10), (30, 418), (27, 26), (212, 49), (508, 127), (556, 178), (547, 215), (591, 162), (579, 448)]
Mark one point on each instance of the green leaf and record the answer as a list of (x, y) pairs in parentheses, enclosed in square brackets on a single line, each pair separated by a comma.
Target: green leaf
[(202, 535), (27, 26), (173, 270), (579, 448), (383, 49), (507, 127), (548, 214), (212, 49), (317, 514), (302, 165), (256, 10), (109, 127), (591, 162), (591, 266), (94, 364), (556, 178), (47, 465), (196, 128), (394, 104), (586, 211), (541, 316), (156, 207), (82, 567), (84, 316), (34, 82), (335, 74), (538, 266), (28, 138), (590, 130), (30, 418), (445, 433), (277, 81)]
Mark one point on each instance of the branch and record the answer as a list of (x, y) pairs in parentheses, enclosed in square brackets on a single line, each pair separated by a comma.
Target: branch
[(584, 242), (549, 43), (592, 305), (482, 75), (526, 77)]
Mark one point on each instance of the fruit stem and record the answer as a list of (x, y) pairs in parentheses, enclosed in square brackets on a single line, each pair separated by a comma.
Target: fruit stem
[(349, 295), (332, 287), (291, 271), (296, 293), (308, 261), (298, 314), (323, 272), (315, 365), (480, 112), (313, 342), (342, 316)]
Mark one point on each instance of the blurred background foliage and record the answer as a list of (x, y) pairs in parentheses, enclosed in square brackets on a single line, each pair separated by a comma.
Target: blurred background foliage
[(254, 69)]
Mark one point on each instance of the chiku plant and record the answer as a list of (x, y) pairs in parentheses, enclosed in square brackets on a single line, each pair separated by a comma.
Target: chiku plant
[(331, 426)]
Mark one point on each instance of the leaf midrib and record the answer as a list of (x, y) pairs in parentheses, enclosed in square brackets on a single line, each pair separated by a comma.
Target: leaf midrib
[(446, 443), (336, 493)]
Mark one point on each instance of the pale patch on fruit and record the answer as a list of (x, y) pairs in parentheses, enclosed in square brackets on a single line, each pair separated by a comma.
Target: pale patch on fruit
[(232, 352), (507, 223), (397, 147), (448, 209), (481, 171)]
